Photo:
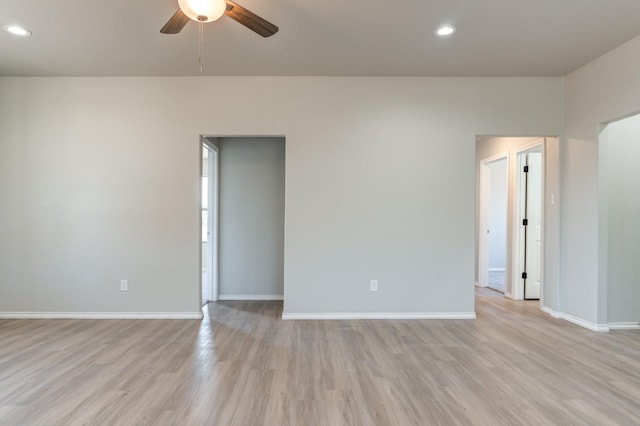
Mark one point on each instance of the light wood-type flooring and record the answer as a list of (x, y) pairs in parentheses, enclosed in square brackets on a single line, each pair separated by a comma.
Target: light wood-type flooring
[(243, 365)]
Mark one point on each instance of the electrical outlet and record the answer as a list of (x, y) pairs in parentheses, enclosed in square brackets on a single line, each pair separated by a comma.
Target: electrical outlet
[(124, 285), (373, 285)]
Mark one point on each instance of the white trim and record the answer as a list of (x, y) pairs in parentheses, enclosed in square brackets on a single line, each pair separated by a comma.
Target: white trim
[(497, 269), (504, 155), (532, 145), (250, 297), (101, 315), (624, 326), (584, 323), (377, 315), (213, 218), (551, 311), (601, 328), (214, 195)]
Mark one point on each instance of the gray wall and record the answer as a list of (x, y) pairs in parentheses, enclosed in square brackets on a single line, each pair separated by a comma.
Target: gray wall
[(99, 180), (602, 91), (624, 220), (251, 258)]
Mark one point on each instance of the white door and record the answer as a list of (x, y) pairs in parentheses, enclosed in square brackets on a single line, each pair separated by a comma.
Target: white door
[(212, 230), (492, 222), (205, 225), (533, 230), (483, 226), (209, 221)]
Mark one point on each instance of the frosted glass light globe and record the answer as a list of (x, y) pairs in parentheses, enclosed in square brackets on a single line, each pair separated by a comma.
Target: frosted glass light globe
[(203, 10), (446, 30), (16, 30)]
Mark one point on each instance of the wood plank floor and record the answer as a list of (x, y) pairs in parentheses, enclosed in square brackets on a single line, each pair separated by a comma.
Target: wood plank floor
[(243, 365)]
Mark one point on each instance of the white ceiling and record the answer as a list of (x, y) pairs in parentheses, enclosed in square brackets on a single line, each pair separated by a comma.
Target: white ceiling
[(317, 37)]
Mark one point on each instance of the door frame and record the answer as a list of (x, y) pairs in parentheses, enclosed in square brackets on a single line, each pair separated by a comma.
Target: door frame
[(212, 219), (483, 217), (518, 230)]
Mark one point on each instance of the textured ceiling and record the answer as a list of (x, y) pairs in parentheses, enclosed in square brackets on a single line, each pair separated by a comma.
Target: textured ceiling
[(328, 37)]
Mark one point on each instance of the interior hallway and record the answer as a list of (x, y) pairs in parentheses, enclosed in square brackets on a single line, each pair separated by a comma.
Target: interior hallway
[(244, 365)]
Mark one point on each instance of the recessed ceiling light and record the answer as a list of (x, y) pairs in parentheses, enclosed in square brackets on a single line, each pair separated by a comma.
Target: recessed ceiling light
[(446, 30), (17, 30)]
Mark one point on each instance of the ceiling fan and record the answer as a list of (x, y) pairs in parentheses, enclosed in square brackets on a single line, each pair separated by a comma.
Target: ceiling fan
[(211, 10)]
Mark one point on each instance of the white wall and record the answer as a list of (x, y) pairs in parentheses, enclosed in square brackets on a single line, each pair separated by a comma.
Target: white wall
[(100, 181), (623, 152), (251, 247), (606, 89)]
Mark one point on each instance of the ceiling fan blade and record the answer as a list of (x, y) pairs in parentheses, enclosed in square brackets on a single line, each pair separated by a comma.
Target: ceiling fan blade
[(176, 23), (250, 19)]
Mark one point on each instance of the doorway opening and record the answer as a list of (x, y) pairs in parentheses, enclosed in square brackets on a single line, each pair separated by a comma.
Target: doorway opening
[(243, 184), (493, 222), (510, 214), (209, 196)]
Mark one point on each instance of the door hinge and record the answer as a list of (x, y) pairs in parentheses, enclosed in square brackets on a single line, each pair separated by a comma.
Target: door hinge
[(525, 222), (524, 275), (525, 169)]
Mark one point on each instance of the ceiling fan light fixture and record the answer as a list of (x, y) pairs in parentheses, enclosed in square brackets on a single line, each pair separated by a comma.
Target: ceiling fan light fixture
[(203, 10), (446, 30), (17, 30)]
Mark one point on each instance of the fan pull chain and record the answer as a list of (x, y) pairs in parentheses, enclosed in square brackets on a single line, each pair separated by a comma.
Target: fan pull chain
[(201, 45)]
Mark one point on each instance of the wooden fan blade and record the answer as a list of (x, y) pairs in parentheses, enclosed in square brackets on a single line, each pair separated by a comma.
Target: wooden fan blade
[(250, 19), (176, 23)]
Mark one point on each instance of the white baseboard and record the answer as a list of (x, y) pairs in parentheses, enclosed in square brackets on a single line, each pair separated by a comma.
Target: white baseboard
[(376, 315), (101, 315), (584, 323), (624, 326), (600, 328), (550, 311), (250, 297)]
